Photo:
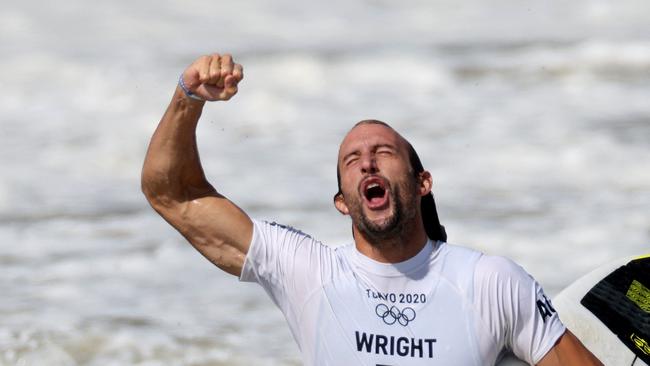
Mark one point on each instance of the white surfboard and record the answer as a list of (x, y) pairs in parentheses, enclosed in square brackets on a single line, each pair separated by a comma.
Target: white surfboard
[(609, 311), (613, 322)]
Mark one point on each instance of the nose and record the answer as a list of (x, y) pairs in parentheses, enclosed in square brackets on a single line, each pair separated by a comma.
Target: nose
[(369, 164)]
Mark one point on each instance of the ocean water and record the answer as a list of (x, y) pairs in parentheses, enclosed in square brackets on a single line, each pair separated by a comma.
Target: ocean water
[(533, 117)]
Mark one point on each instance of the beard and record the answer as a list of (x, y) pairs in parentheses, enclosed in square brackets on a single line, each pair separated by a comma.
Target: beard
[(389, 230)]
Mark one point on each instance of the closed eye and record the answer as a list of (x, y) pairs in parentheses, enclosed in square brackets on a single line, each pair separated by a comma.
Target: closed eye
[(385, 150), (350, 159)]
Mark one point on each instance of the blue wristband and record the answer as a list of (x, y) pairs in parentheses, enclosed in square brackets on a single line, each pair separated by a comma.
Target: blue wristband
[(187, 92)]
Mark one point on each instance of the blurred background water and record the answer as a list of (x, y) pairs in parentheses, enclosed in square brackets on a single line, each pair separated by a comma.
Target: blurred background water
[(533, 117)]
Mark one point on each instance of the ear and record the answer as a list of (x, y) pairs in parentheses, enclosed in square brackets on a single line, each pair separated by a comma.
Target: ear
[(425, 183), (340, 205)]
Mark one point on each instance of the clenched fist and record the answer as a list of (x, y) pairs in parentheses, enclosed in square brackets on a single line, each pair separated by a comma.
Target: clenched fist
[(213, 77)]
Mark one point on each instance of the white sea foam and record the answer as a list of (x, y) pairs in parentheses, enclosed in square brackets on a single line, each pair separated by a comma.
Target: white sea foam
[(534, 121)]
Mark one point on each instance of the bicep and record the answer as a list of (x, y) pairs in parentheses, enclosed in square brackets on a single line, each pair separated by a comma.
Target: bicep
[(568, 350), (215, 226)]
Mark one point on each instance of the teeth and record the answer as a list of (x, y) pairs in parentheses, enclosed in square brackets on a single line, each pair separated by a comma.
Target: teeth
[(373, 185)]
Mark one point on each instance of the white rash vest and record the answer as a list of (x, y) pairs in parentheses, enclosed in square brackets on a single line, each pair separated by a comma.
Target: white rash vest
[(448, 305)]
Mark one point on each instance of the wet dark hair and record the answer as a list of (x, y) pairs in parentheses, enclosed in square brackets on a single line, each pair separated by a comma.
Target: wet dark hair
[(435, 231)]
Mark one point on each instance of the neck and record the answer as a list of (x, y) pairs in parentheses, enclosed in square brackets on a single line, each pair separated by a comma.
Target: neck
[(393, 249)]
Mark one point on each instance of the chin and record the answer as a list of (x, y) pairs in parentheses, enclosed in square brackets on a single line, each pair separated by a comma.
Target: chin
[(379, 220), (380, 227), (383, 224)]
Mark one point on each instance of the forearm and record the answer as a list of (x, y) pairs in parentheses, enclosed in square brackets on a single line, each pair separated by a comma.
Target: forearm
[(172, 169)]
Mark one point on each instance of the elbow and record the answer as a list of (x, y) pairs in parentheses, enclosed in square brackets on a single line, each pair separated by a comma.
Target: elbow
[(147, 187), (161, 203), (154, 193), (147, 190), (156, 201), (165, 193)]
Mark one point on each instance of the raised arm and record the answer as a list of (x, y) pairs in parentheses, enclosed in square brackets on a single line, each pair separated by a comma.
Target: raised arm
[(172, 177)]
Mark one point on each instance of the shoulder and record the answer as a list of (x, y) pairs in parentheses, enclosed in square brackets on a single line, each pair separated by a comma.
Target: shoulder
[(483, 266), (286, 257), (456, 264), (276, 236), (502, 282), (274, 228), (281, 248), (499, 266), (456, 253)]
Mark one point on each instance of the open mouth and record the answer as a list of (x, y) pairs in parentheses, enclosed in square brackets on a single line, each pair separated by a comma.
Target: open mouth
[(375, 192)]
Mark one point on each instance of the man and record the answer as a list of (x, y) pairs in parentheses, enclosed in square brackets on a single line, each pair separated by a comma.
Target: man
[(399, 295)]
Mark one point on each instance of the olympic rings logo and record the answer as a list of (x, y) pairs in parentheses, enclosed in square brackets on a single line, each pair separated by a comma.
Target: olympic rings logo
[(394, 315)]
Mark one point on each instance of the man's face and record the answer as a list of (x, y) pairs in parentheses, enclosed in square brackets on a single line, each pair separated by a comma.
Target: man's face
[(380, 191)]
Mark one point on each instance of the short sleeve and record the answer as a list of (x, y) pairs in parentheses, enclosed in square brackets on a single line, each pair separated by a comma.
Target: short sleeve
[(287, 263), (514, 307)]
